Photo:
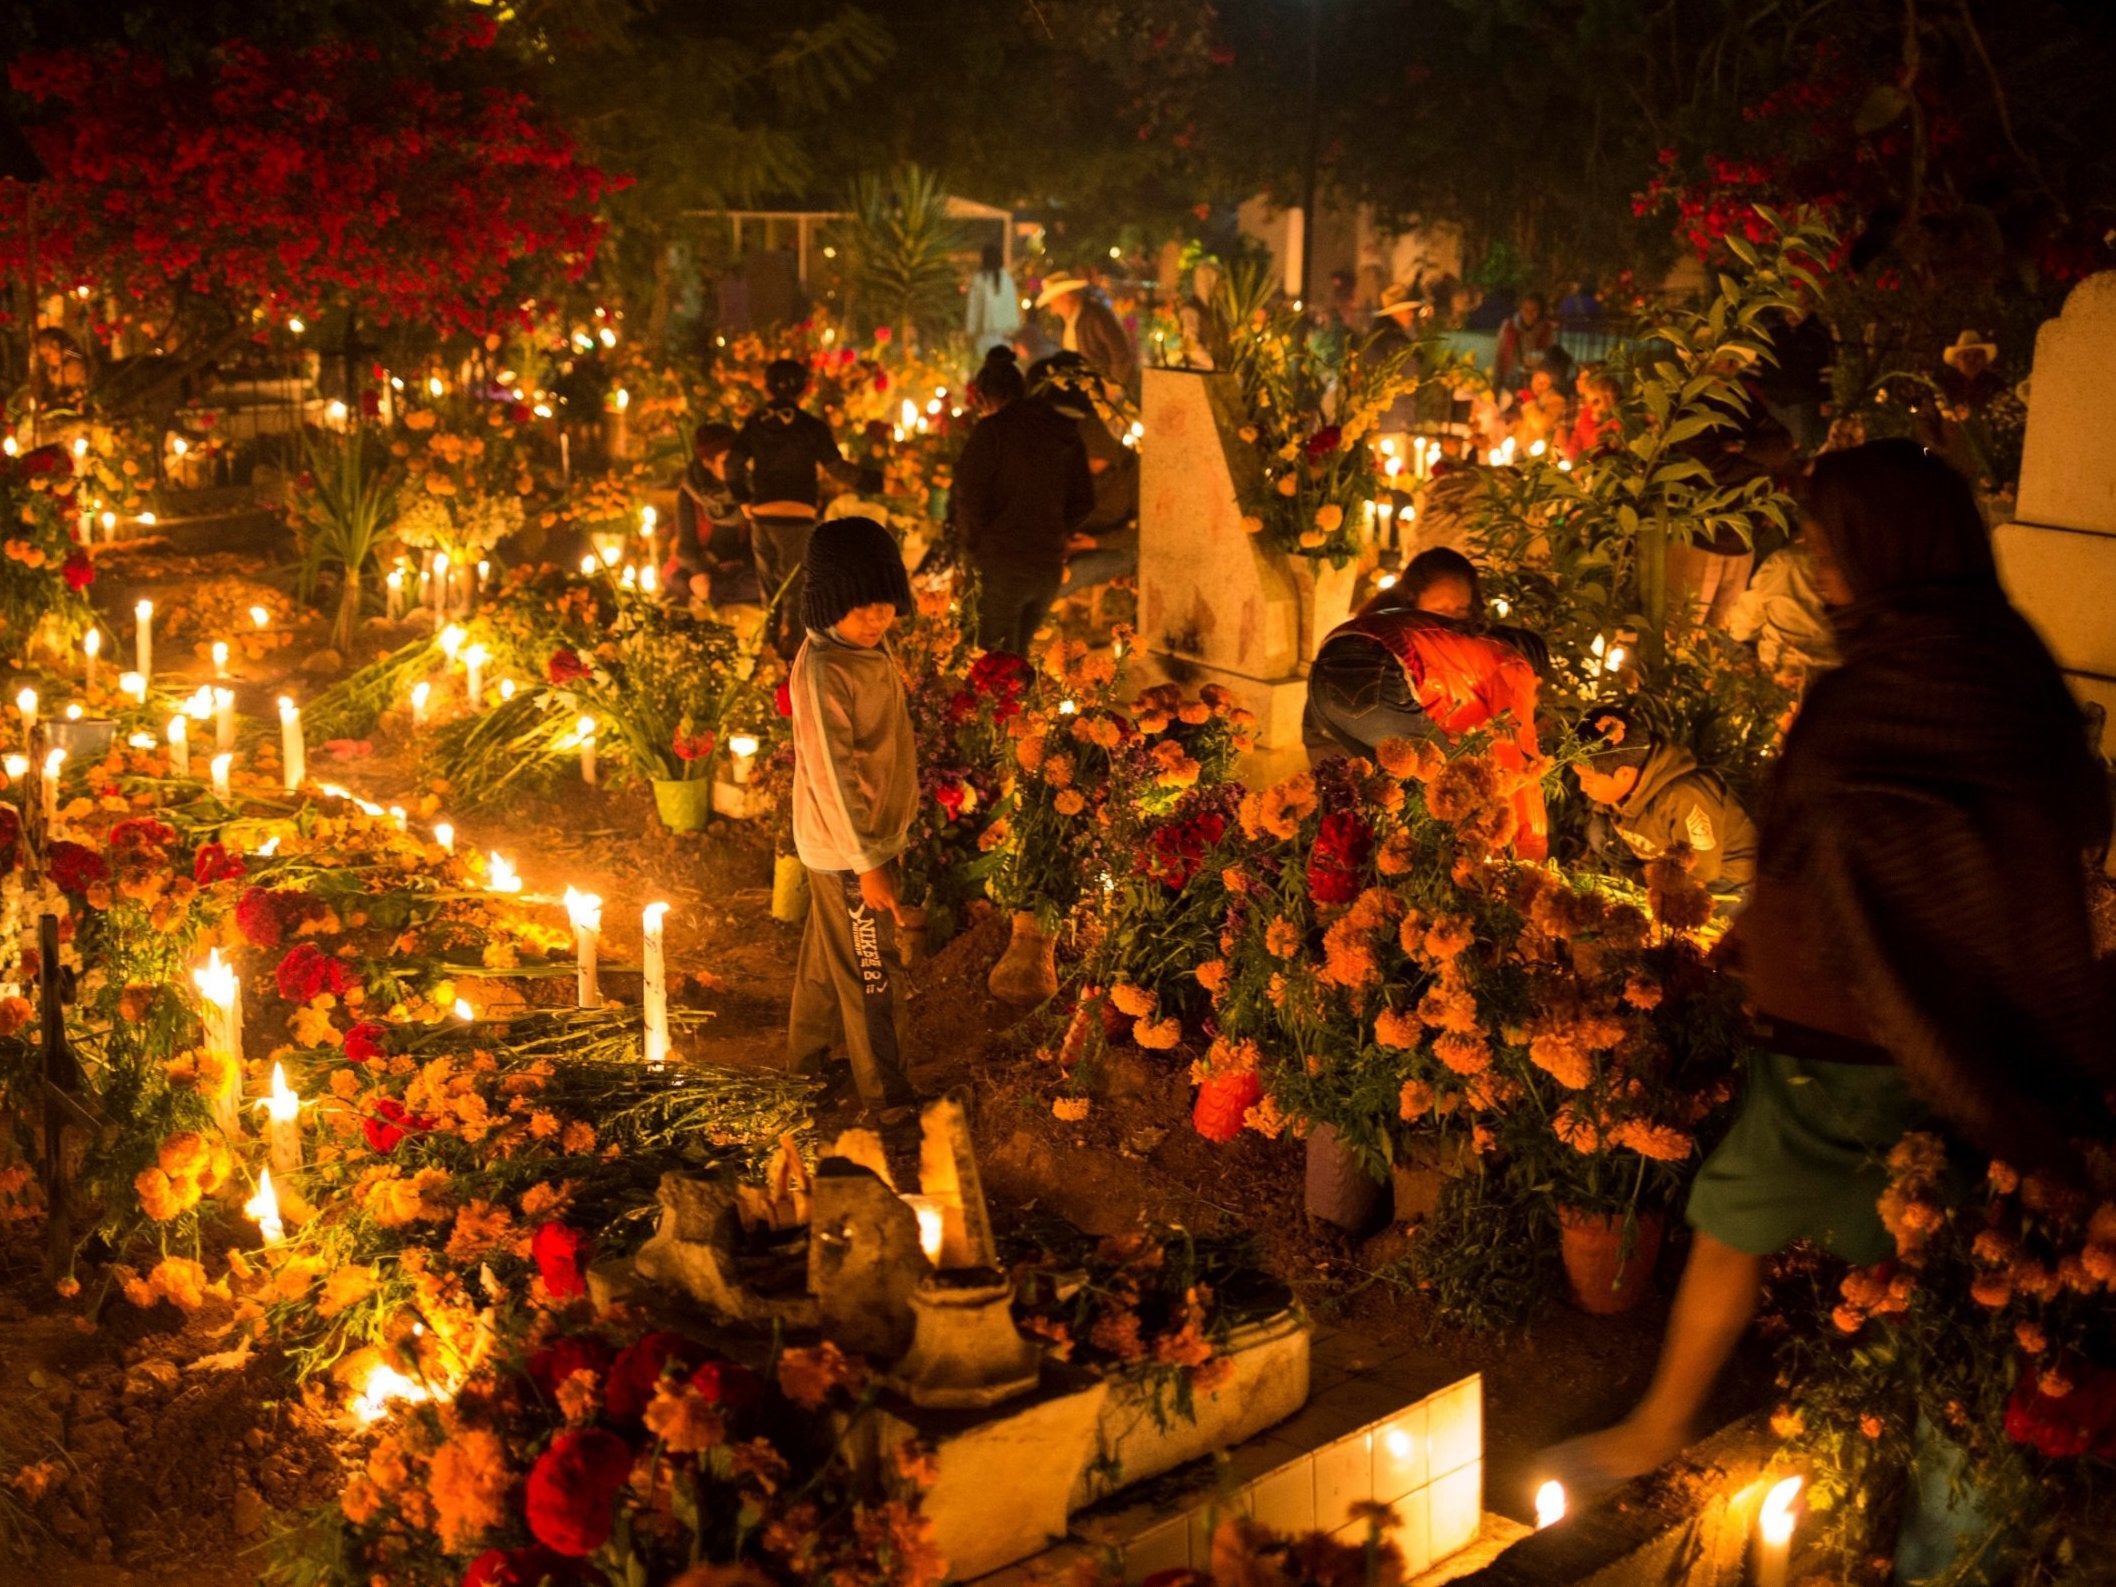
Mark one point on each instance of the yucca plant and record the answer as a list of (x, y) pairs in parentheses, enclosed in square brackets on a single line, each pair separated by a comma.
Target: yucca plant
[(342, 507), (900, 249)]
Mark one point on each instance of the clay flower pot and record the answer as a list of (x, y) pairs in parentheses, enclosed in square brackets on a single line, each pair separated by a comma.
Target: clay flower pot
[(1027, 973), (1603, 1278), (1339, 1188)]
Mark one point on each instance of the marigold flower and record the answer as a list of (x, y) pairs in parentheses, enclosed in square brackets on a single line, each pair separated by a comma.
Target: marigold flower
[(1212, 976), (1157, 1035), (1787, 1423), (1070, 1110), (808, 1376), (2030, 1337), (1991, 1289), (1849, 1319), (1282, 938), (1133, 1000), (468, 1482), (1398, 1030), (1662, 1143), (1414, 1101), (1462, 1052), (680, 1417), (1286, 805), (1448, 937), (1872, 1426)]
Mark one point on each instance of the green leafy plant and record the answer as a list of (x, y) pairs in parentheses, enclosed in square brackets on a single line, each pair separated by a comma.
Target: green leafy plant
[(342, 509), (900, 247)]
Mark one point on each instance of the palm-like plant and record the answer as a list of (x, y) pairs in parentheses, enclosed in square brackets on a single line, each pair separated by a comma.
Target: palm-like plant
[(900, 251), (345, 505)]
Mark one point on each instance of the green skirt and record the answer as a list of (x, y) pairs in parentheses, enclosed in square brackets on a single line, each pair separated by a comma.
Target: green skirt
[(1805, 1158)]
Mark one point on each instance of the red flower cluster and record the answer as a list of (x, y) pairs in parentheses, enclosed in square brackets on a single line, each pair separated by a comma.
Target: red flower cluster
[(572, 1490), (364, 1042), (75, 867), (213, 863), (639, 1368), (565, 666), (306, 973), (782, 698), (265, 916), (1002, 678), (10, 838), (1337, 864), (1325, 441), (561, 1255), (1176, 850), (2080, 1423), (79, 571), (1223, 1102), (564, 1356), (391, 1121), (696, 747)]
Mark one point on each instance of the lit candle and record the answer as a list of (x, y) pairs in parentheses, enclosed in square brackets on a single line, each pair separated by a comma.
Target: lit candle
[(463, 1011), (400, 818), (1774, 1533), (52, 764), (92, 647), (26, 703), (16, 766), (220, 765), (932, 1225), (629, 579), (264, 1207), (474, 660), (742, 758), (440, 589), (445, 835), (585, 911), (224, 719), (221, 993), (179, 737), (506, 688), (452, 638), (484, 573), (393, 584), (420, 693), (590, 567), (587, 750), (133, 686), (293, 751), (282, 1123), (500, 875), (649, 580), (220, 658), (1550, 1503), (654, 983)]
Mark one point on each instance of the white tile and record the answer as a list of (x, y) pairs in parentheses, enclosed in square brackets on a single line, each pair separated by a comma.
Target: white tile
[(1344, 1476), (1206, 1518), (1400, 1447), (1285, 1500), (1164, 1547), (1455, 1417), (1456, 1508), (1411, 1531)]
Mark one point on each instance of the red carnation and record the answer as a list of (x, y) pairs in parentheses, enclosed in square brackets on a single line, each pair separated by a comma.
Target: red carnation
[(213, 863), (561, 1255), (882, 333), (48, 460), (74, 867), (79, 571), (305, 973), (520, 1567), (637, 1371), (1325, 441), (564, 1356), (565, 666), (573, 1489), (391, 1121), (364, 1042), (732, 1387), (257, 917), (950, 796), (1337, 864), (139, 834)]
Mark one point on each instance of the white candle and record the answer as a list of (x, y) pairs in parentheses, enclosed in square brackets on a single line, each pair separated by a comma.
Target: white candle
[(293, 751), (474, 665), (647, 519), (394, 585), (500, 875), (452, 637), (484, 573), (282, 1123), (26, 703), (224, 719), (143, 638), (400, 818), (506, 688), (92, 647), (52, 764), (220, 992), (654, 982), (585, 911), (133, 686), (420, 693), (587, 750), (16, 766), (220, 765), (445, 835), (440, 589), (179, 746), (742, 758), (220, 658), (264, 1208), (1774, 1533)]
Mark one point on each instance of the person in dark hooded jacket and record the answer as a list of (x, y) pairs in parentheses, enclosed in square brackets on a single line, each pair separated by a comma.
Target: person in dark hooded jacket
[(1651, 799), (1918, 948), (776, 468)]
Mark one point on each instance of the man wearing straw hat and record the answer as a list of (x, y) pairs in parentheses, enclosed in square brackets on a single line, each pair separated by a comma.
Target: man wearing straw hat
[(1090, 328)]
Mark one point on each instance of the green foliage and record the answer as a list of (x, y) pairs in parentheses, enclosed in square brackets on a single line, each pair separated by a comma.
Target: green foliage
[(341, 510), (899, 252)]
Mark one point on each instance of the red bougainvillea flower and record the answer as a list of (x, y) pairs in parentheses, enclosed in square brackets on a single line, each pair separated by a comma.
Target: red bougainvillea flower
[(520, 1567), (390, 1122), (79, 571), (306, 973), (565, 666), (572, 1491), (564, 1356), (561, 1255), (638, 1370), (364, 1042), (74, 867), (1325, 441), (213, 863)]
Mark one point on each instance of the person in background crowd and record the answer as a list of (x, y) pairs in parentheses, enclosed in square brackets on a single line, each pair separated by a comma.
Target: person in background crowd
[(1091, 329), (1528, 332), (1783, 615), (1651, 799), (1794, 380), (710, 558), (777, 467), (1581, 304), (1969, 387), (1105, 545), (1540, 412), (855, 794), (1597, 424), (992, 306), (1022, 490), (1918, 948), (1418, 661)]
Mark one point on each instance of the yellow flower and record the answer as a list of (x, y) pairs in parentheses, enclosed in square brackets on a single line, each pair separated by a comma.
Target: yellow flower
[(1328, 517)]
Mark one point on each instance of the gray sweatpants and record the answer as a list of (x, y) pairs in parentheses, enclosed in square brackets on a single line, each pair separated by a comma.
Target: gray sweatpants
[(846, 990)]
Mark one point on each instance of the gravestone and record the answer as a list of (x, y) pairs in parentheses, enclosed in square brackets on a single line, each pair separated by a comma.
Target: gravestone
[(2058, 558), (1216, 605)]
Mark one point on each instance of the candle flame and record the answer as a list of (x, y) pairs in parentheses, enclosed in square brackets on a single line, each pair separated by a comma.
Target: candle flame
[(143, 610), (452, 637), (288, 710), (742, 745), (220, 652), (420, 694), (506, 688), (463, 1011), (653, 915), (216, 981), (17, 767), (260, 617), (931, 1225), (1774, 1521), (584, 910), (26, 702), (590, 566), (500, 874), (611, 555), (445, 835), (264, 1208), (269, 847), (92, 641), (283, 1103), (200, 705), (1550, 1504), (52, 763), (386, 1385), (585, 728)]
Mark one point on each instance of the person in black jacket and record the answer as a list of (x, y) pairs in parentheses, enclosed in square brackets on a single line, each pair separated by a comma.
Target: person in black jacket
[(1022, 488), (776, 468)]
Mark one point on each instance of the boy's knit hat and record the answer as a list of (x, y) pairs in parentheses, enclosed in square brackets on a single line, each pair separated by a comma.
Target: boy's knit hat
[(852, 562)]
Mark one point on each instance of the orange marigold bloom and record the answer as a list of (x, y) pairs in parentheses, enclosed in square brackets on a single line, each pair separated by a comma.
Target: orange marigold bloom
[(1463, 1053), (1449, 937), (1265, 1118), (1132, 999), (1642, 992), (468, 1482), (1872, 1426), (1561, 1058), (1991, 1289), (1282, 938), (1157, 1035), (1069, 803), (1849, 1319), (1415, 1100), (1398, 1030), (682, 1419), (1397, 852), (2030, 1337), (1572, 1126), (1070, 1110), (1663, 1143), (1212, 976), (807, 1376), (1287, 805)]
